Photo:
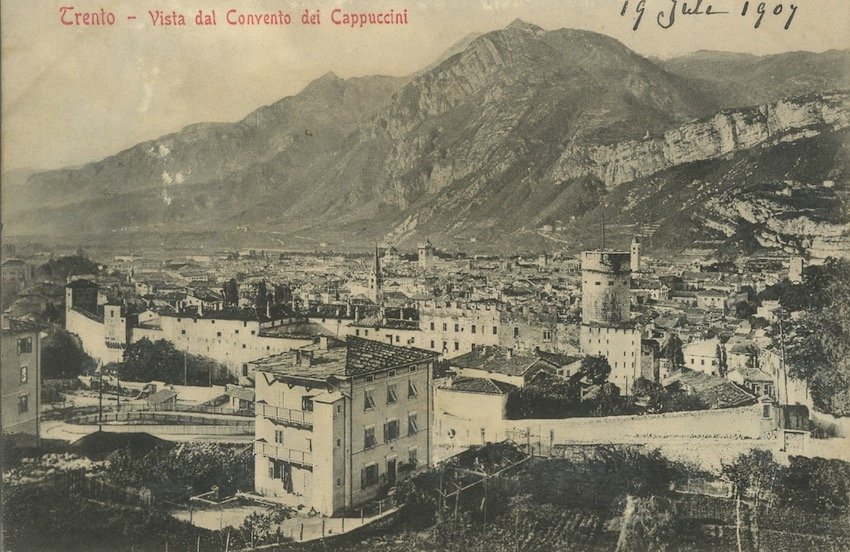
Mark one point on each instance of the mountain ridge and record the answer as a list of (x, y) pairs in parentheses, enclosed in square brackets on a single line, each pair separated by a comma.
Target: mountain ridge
[(519, 126)]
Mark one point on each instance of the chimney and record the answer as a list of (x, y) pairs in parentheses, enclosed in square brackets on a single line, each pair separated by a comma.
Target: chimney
[(323, 342), (348, 309), (5, 324), (509, 353), (307, 358), (268, 310), (356, 314), (298, 357)]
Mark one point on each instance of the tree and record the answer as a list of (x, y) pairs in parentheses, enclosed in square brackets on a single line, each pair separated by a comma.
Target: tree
[(752, 475), (744, 310), (674, 352), (60, 269), (231, 293), (262, 299), (147, 360), (722, 362), (62, 357), (594, 369)]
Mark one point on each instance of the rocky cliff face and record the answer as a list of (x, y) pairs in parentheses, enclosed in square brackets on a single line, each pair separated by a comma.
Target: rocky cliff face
[(512, 132), (724, 133)]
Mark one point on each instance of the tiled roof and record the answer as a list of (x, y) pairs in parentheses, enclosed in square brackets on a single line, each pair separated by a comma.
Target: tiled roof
[(500, 361), (360, 356), (715, 391), (364, 356), (480, 385), (558, 358)]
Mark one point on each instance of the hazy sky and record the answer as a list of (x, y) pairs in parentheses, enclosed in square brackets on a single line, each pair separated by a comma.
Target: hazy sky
[(76, 94)]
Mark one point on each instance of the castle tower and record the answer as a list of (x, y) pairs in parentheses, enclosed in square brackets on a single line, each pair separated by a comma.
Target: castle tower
[(635, 255), (376, 284), (605, 279)]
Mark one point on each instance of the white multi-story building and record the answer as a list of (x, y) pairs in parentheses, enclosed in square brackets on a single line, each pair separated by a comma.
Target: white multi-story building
[(339, 424)]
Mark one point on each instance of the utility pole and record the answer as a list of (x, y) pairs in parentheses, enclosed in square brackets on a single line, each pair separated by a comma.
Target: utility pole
[(782, 350), (118, 386), (100, 400)]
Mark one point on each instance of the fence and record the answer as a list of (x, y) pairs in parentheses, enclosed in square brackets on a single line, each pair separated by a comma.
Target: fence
[(91, 486), (156, 418)]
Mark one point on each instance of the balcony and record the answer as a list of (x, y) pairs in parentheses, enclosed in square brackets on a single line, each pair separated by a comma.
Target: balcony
[(297, 458), (302, 419)]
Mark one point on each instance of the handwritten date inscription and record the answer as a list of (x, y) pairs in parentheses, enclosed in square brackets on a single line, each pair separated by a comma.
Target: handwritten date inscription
[(673, 10)]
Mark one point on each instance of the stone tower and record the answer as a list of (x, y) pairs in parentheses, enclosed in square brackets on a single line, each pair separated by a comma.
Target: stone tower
[(605, 279), (635, 255)]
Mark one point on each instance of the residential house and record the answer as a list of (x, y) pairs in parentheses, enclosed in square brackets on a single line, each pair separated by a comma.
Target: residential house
[(342, 423)]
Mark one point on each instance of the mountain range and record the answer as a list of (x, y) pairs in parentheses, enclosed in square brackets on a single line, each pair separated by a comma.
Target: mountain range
[(519, 138)]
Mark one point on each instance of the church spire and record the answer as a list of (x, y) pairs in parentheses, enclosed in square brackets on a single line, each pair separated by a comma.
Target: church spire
[(375, 279)]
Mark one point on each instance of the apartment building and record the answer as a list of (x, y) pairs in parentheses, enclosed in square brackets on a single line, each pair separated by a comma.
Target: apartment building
[(20, 360), (341, 422)]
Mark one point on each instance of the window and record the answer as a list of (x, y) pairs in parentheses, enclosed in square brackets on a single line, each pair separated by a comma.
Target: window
[(339, 442), (23, 404), (411, 389), (218, 334), (547, 335), (391, 430), (411, 456), (516, 331), (765, 413), (183, 332), (24, 374), (445, 326), (457, 346), (495, 330), (356, 332), (432, 343), (412, 424), (307, 403), (253, 332), (278, 436), (432, 326), (369, 476), (369, 438), (472, 329), (457, 327), (369, 400), (310, 445), (24, 345), (391, 373), (392, 395)]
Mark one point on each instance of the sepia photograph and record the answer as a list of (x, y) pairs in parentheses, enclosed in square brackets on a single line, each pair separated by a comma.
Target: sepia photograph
[(425, 275)]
